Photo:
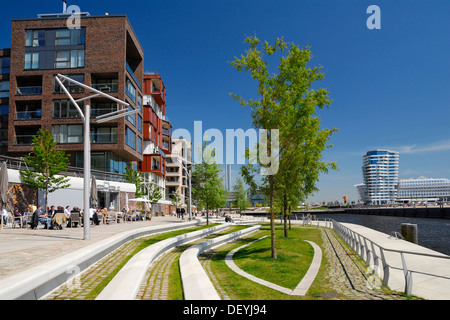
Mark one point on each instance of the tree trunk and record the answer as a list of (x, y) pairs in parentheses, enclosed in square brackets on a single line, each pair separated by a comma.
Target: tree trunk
[(272, 220), (285, 217), (289, 217)]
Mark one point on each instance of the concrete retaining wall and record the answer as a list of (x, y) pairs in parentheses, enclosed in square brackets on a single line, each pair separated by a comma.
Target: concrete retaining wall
[(196, 283)]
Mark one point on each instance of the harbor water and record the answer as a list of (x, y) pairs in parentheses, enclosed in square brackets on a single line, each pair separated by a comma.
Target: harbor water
[(433, 234)]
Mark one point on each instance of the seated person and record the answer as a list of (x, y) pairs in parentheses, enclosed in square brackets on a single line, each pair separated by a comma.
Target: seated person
[(18, 217)]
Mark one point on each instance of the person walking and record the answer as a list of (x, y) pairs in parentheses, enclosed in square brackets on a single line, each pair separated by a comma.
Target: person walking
[(178, 212)]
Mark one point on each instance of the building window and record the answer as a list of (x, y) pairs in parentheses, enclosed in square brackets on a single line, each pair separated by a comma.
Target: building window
[(132, 117), (31, 60), (35, 38), (65, 109), (4, 109), (5, 64), (130, 138), (131, 91), (71, 87), (139, 102), (139, 123), (139, 145), (4, 89), (69, 59), (68, 133), (104, 135), (67, 37)]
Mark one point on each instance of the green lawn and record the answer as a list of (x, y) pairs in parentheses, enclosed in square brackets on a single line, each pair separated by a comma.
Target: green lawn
[(294, 256)]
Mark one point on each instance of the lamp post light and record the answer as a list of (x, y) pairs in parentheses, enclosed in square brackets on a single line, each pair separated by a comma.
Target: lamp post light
[(86, 136), (189, 174)]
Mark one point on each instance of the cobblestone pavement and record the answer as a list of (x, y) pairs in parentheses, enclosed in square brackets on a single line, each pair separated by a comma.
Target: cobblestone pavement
[(347, 274)]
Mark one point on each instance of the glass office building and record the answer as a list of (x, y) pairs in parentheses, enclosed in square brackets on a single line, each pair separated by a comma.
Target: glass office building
[(380, 174), (423, 190)]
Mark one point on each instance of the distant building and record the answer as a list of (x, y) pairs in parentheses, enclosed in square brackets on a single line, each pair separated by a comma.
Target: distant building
[(178, 170), (382, 186), (380, 174), (423, 190)]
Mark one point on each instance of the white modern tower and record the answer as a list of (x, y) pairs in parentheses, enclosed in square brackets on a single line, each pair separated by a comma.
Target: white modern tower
[(380, 174)]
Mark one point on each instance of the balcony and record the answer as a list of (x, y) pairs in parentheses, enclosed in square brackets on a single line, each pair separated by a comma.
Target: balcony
[(28, 115), (131, 72), (29, 86), (28, 110), (166, 144), (99, 137), (153, 163), (24, 135), (172, 181), (26, 91), (106, 86)]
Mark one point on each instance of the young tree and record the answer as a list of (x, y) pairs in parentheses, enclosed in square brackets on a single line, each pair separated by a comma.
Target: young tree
[(287, 103), (240, 195), (47, 163), (154, 194), (175, 199), (133, 176), (207, 186)]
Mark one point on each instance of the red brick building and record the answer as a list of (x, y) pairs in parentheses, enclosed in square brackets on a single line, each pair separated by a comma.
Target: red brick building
[(103, 53)]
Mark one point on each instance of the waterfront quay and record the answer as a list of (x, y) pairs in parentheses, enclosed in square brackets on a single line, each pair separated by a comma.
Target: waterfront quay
[(35, 253), (434, 212)]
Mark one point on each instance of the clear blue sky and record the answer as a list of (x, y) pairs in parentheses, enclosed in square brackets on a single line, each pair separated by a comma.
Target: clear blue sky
[(391, 87)]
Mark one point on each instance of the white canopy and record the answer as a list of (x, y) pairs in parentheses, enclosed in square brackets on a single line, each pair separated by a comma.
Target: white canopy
[(139, 200)]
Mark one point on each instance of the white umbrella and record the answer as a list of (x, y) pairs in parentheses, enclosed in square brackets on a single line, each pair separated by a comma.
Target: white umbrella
[(94, 196), (3, 188)]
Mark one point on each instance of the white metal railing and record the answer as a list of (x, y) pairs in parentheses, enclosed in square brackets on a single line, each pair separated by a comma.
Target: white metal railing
[(366, 249)]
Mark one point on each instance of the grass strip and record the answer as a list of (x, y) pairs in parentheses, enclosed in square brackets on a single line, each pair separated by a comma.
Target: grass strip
[(145, 242), (293, 260)]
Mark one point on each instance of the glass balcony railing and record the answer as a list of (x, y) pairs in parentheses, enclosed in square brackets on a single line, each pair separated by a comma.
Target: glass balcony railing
[(103, 137), (28, 115), (24, 139), (95, 112), (130, 71), (23, 91), (106, 86), (165, 131)]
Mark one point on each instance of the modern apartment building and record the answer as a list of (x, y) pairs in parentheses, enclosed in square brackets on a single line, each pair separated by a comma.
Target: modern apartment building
[(103, 53), (382, 185), (178, 170), (157, 137), (380, 175), (4, 98)]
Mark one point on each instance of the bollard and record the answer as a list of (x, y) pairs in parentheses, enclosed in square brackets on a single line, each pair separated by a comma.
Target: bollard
[(409, 232)]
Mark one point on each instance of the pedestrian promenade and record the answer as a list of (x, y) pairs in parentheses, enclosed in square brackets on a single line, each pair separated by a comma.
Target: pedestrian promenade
[(22, 250)]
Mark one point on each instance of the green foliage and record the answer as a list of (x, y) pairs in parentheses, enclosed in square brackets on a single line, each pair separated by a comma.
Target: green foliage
[(288, 103), (207, 186), (175, 199), (154, 194), (132, 176), (46, 163), (241, 195)]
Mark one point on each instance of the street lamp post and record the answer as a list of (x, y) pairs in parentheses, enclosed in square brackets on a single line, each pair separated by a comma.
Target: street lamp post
[(190, 191), (86, 136)]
